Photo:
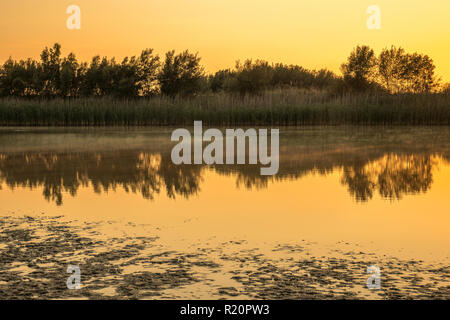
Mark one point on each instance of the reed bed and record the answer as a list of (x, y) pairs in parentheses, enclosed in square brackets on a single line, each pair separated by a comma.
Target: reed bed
[(273, 108)]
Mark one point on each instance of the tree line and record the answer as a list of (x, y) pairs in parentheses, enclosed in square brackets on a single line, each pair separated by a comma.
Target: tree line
[(145, 75), (394, 71)]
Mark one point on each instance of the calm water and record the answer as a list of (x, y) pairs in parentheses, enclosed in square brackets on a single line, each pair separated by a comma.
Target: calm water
[(112, 202)]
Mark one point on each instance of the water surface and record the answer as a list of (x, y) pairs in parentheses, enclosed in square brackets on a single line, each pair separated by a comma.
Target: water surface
[(111, 201)]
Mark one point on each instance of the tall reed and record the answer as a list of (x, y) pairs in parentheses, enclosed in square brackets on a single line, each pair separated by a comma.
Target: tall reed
[(276, 107)]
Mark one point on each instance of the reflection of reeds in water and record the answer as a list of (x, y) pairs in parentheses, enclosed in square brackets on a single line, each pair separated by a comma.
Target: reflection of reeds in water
[(392, 175)]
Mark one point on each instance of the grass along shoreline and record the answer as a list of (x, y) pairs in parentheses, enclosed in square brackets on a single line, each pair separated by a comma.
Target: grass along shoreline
[(276, 107)]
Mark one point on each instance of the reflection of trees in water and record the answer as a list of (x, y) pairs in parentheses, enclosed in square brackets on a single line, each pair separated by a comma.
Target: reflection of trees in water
[(35, 170), (148, 173), (135, 172), (392, 176), (249, 176), (178, 180)]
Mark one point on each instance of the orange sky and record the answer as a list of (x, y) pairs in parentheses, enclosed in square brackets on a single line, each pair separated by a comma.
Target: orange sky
[(313, 34)]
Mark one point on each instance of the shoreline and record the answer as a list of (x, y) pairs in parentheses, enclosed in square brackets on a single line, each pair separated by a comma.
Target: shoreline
[(142, 267)]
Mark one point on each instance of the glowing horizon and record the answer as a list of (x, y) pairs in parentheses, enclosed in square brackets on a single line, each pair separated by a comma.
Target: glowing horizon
[(314, 35)]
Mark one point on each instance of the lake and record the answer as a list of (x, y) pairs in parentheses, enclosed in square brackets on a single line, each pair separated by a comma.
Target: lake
[(110, 201)]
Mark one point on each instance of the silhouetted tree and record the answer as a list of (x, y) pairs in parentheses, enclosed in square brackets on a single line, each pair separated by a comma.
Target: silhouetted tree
[(181, 74), (51, 65), (291, 76), (419, 73), (402, 72), (326, 79), (391, 68), (360, 70), (20, 78), (69, 78), (393, 71), (253, 77), (220, 81), (147, 72)]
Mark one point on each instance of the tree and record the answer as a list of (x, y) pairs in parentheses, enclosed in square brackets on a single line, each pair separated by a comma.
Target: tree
[(20, 78), (394, 71), (147, 69), (51, 64), (291, 76), (419, 73), (69, 77), (253, 77), (404, 72), (391, 68), (218, 81), (360, 70), (125, 78), (99, 77), (181, 74), (7, 76)]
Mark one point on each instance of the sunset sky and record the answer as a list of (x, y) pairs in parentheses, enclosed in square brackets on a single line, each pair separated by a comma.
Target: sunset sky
[(313, 34)]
